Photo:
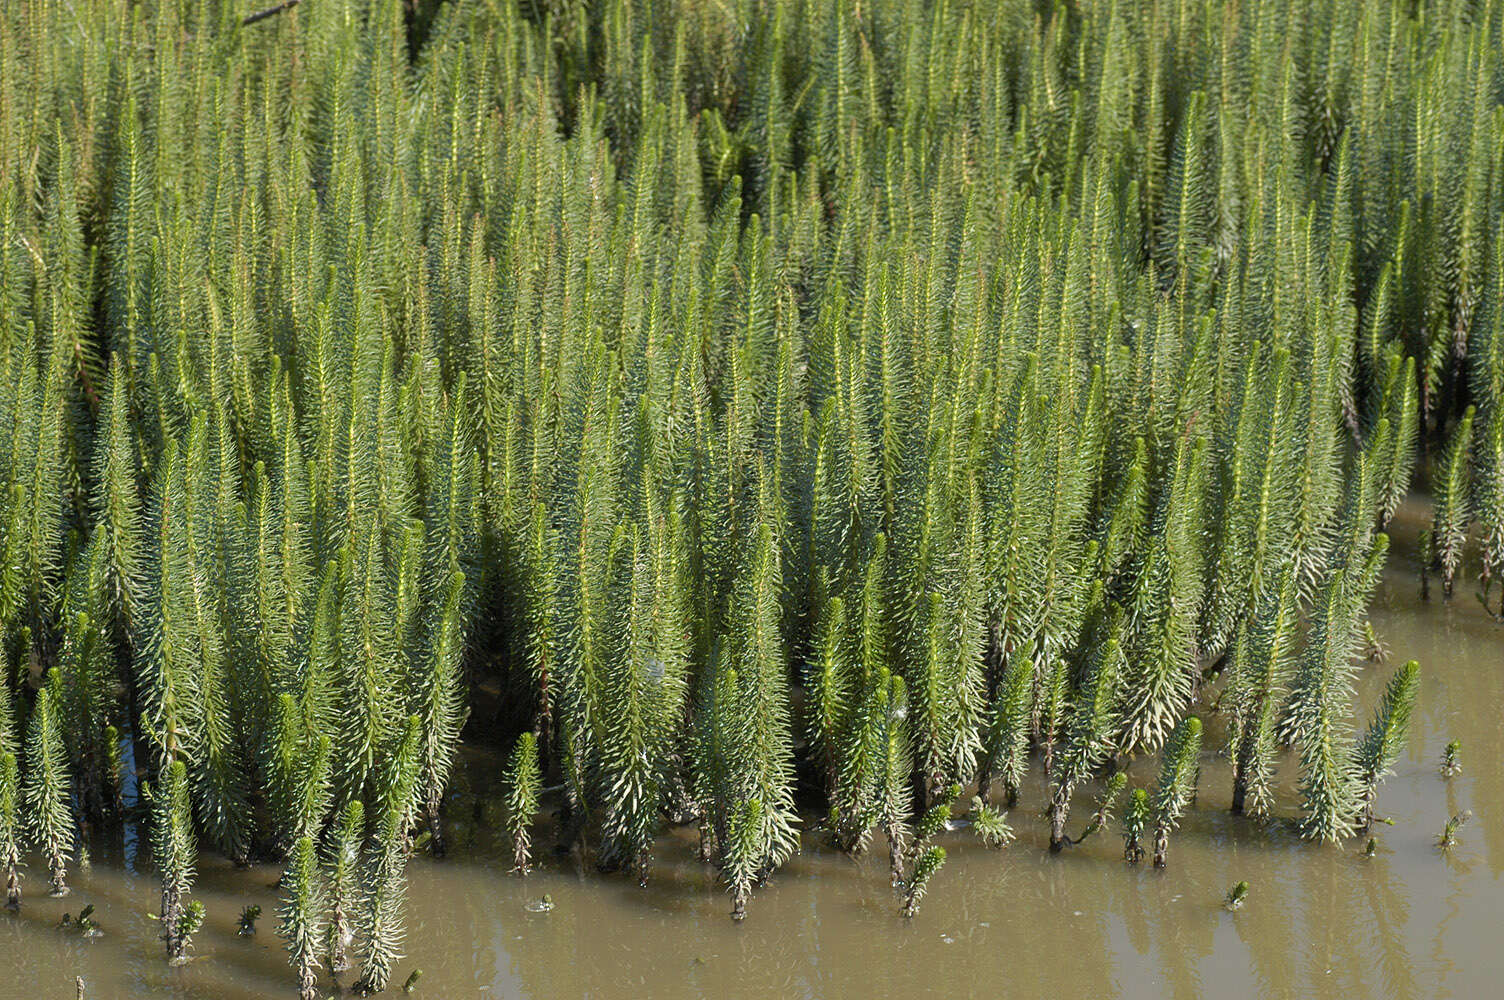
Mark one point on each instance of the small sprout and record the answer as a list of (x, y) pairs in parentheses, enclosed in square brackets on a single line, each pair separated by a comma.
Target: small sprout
[(992, 829), (78, 987), (1451, 759), (542, 905), (412, 981), (1373, 845), (1236, 896), (189, 922), (83, 923), (1448, 838), (247, 924), (1374, 649)]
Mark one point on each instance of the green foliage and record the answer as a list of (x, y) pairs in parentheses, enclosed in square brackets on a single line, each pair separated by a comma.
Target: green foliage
[(1089, 737), (1259, 673), (176, 854), (189, 922), (46, 790), (1453, 501), (925, 867), (1451, 759), (1179, 768), (913, 392), (743, 855), (302, 915), (991, 827), (1136, 822), (1103, 813), (11, 833), (340, 867), (523, 787), (1447, 839), (1386, 736), (383, 875), (1317, 717), (245, 926)]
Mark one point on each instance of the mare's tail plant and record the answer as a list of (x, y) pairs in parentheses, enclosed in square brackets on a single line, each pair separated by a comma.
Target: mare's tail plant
[(523, 786), (1178, 772)]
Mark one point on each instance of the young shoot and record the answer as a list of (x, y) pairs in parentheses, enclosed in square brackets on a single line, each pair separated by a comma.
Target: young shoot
[(1451, 759), (1447, 839)]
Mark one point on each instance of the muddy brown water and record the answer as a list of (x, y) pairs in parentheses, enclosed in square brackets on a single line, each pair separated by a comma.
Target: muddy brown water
[(1319, 921)]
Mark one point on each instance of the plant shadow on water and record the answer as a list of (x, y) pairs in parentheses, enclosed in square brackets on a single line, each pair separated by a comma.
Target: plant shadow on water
[(1410, 921)]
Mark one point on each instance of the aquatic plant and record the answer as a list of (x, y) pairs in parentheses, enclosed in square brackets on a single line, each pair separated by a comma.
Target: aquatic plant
[(176, 855), (523, 786), (245, 924), (1453, 499), (1136, 819), (1451, 759), (729, 398), (1102, 815), (45, 791), (1317, 718), (1179, 768), (1262, 661), (1236, 896), (383, 873), (84, 923), (743, 855), (1386, 736), (339, 868), (935, 819), (1088, 739), (189, 921), (925, 867), (302, 916), (1447, 839), (991, 826), (11, 832)]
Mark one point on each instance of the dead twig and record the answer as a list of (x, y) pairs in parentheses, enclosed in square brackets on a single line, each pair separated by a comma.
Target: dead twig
[(262, 15)]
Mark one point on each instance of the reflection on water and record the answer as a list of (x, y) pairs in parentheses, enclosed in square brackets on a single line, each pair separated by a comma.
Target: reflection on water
[(1319, 921)]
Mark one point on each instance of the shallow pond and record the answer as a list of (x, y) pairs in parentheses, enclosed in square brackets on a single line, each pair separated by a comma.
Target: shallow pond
[(1319, 921)]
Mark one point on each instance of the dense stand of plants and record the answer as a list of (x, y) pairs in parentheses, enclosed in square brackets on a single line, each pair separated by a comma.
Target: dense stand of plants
[(860, 401)]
